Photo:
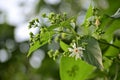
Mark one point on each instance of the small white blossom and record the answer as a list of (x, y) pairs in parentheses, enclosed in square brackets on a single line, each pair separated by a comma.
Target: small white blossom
[(76, 52)]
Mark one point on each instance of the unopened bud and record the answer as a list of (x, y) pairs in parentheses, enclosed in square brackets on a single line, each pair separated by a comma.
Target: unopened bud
[(49, 41), (31, 34), (73, 41), (50, 53), (52, 14), (30, 26), (63, 35), (37, 20), (55, 54), (44, 15), (97, 22), (58, 16), (31, 23), (56, 39), (64, 14)]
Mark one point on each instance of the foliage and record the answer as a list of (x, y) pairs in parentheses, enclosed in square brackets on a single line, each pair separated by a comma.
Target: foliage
[(97, 45)]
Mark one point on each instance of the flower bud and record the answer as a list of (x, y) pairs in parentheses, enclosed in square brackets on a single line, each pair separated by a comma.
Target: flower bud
[(44, 15), (30, 26), (50, 52), (64, 14), (49, 41), (52, 14), (37, 20), (58, 16), (73, 41), (42, 30), (32, 22), (52, 22), (72, 24), (55, 54), (56, 39), (31, 34), (63, 35), (97, 22)]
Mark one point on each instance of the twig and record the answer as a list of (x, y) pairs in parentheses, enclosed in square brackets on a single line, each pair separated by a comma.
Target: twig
[(109, 44)]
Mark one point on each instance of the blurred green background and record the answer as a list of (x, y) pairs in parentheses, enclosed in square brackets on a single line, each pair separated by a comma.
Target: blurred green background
[(14, 35)]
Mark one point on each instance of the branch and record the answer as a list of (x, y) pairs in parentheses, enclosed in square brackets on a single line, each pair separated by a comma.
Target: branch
[(109, 44)]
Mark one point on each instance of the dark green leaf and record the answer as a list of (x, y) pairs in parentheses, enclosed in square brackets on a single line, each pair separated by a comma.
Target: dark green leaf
[(92, 53), (71, 69), (103, 46)]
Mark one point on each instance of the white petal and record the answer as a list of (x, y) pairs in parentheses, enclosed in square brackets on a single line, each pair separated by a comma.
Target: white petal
[(81, 54), (83, 48), (76, 57), (80, 48), (72, 55), (70, 49), (74, 45)]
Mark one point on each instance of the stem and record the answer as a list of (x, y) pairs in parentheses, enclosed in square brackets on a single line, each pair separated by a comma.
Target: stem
[(116, 74), (105, 78), (109, 44)]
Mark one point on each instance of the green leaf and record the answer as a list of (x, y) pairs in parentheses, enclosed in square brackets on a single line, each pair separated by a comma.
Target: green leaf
[(44, 37), (105, 20), (109, 30), (107, 62), (117, 14), (71, 69), (86, 23), (54, 26), (103, 46), (117, 34), (92, 53), (64, 46), (113, 51), (89, 12)]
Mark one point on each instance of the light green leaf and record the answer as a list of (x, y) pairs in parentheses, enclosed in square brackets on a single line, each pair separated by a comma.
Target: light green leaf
[(107, 62), (43, 40), (105, 20), (71, 69), (64, 46), (54, 26), (113, 51), (92, 53), (109, 30), (89, 12)]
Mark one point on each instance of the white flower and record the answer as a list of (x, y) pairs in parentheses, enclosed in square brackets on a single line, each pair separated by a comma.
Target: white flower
[(76, 52)]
